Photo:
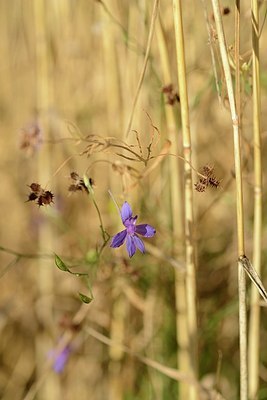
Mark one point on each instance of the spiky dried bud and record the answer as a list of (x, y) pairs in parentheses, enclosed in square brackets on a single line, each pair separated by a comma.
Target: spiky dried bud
[(200, 187), (171, 95), (78, 183), (207, 170), (214, 182), (167, 88), (208, 179), (43, 197), (36, 188), (74, 176), (46, 198), (32, 197)]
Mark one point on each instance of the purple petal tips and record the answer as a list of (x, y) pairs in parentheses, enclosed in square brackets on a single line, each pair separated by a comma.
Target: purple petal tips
[(126, 212), (145, 230)]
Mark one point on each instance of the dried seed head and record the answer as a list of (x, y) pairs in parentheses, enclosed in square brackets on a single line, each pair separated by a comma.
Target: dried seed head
[(42, 197), (172, 96), (200, 187), (167, 88), (45, 199), (74, 176), (74, 188), (78, 183), (207, 170), (36, 188), (32, 197), (209, 179), (214, 182)]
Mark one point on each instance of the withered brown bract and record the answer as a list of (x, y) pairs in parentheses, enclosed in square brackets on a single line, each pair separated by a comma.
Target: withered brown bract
[(171, 95), (78, 183), (41, 196), (208, 179)]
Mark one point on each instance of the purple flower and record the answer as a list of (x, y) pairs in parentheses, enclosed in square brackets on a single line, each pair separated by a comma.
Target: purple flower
[(60, 358), (131, 231)]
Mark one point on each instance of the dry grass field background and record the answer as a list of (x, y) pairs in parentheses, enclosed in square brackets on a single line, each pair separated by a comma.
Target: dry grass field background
[(71, 72)]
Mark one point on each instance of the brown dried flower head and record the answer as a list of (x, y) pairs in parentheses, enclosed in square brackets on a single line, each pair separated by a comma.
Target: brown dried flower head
[(172, 96), (78, 183), (41, 196), (207, 179)]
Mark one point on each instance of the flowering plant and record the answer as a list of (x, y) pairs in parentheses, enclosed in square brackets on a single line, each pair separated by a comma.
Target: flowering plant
[(130, 233)]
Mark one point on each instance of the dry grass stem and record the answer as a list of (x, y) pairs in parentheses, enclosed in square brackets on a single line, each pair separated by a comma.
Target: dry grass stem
[(239, 192), (190, 277), (254, 322)]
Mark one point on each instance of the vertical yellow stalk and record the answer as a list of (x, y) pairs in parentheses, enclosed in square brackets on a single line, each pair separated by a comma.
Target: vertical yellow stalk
[(188, 204), (183, 359), (239, 195), (45, 235), (254, 322)]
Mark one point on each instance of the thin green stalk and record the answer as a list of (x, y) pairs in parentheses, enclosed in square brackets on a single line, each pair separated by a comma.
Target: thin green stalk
[(254, 322), (105, 235), (188, 199), (239, 198)]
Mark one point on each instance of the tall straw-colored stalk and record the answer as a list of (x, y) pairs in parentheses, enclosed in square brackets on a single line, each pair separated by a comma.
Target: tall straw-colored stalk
[(239, 195), (45, 235), (254, 322), (116, 385), (188, 201), (183, 359)]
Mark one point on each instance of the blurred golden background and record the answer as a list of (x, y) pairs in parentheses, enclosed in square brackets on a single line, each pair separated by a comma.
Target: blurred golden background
[(69, 76)]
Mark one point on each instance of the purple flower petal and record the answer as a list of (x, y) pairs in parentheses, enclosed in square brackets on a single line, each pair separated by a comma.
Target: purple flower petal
[(60, 359), (126, 212), (145, 230), (130, 245), (139, 243), (130, 234), (118, 239)]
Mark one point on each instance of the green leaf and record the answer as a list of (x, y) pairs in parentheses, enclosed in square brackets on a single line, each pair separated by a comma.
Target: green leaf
[(85, 299), (60, 264)]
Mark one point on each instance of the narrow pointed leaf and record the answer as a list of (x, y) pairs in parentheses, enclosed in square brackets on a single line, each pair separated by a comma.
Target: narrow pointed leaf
[(60, 264), (85, 299)]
